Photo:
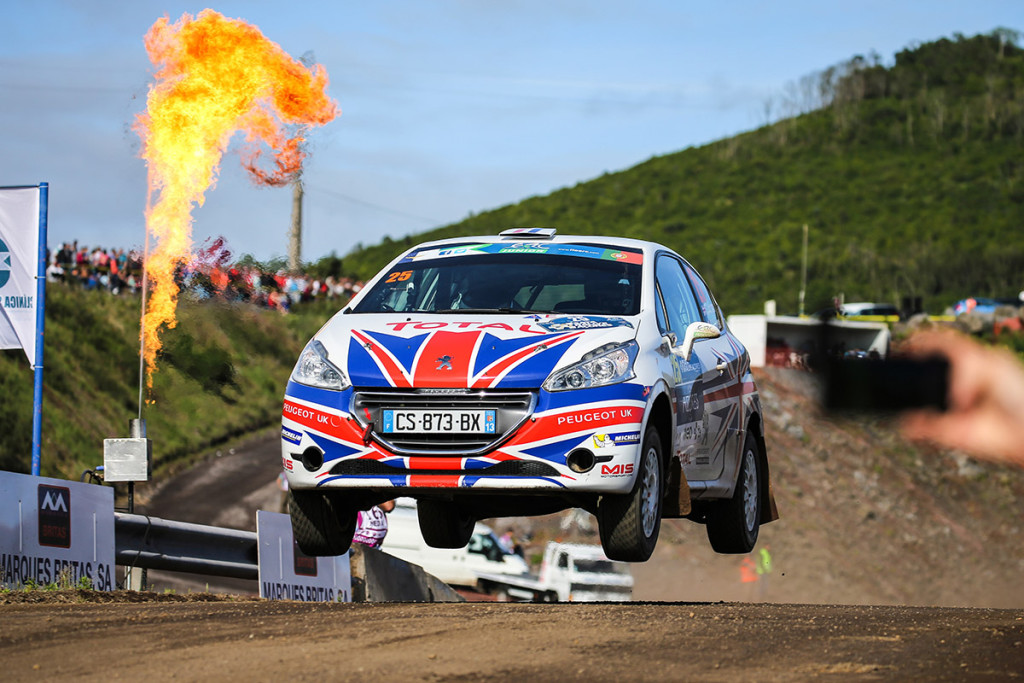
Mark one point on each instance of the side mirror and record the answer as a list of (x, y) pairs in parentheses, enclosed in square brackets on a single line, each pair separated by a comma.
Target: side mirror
[(695, 331), (668, 342)]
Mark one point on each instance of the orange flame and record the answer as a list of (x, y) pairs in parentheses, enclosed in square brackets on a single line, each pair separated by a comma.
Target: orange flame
[(215, 76)]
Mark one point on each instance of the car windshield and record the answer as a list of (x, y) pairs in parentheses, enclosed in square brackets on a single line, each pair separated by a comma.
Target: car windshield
[(600, 566), (504, 278)]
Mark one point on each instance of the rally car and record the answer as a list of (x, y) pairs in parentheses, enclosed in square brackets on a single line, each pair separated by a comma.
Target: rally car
[(524, 374)]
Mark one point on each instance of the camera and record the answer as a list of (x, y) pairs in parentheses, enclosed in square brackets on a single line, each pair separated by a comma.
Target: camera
[(863, 385)]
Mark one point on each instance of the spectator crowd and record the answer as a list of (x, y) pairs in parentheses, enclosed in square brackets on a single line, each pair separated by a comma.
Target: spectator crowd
[(118, 271)]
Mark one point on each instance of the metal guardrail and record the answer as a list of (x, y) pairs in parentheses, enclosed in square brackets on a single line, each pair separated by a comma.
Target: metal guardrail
[(154, 543)]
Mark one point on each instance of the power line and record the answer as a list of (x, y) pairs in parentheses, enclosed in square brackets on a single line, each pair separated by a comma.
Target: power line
[(371, 205)]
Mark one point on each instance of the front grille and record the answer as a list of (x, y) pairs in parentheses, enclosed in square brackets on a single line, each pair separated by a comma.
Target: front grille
[(512, 408), (508, 468)]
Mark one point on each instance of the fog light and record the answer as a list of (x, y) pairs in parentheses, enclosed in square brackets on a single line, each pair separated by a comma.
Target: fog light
[(312, 459), (580, 460)]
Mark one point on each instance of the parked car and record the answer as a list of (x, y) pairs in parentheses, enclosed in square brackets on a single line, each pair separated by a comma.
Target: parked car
[(523, 374), (981, 305), (873, 311), (868, 309)]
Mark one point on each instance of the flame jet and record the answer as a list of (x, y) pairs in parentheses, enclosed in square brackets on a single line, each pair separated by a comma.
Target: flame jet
[(215, 77)]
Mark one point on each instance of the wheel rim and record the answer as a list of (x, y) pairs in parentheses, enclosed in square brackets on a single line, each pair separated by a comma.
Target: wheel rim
[(750, 488), (650, 492)]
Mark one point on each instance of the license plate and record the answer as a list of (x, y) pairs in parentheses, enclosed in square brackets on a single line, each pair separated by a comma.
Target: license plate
[(439, 421)]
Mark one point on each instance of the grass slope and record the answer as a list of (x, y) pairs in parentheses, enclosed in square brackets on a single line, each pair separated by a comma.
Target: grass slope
[(221, 374)]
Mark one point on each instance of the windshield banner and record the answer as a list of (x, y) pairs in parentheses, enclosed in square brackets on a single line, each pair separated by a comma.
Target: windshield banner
[(541, 248)]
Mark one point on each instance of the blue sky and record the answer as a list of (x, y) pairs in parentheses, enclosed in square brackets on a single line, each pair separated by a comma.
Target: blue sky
[(448, 107)]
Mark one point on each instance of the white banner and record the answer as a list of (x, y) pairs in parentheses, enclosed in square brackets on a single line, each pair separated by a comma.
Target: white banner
[(56, 532), (19, 258), (288, 574)]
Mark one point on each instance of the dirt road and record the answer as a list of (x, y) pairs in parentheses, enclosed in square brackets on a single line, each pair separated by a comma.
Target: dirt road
[(197, 637), (253, 640)]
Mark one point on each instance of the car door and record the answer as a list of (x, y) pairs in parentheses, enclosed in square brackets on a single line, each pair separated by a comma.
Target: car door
[(722, 385), (677, 309)]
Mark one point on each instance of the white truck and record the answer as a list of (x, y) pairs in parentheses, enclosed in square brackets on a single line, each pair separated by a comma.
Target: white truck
[(455, 566), (570, 572)]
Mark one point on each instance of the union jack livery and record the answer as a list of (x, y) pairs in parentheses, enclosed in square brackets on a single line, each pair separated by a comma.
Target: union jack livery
[(524, 374)]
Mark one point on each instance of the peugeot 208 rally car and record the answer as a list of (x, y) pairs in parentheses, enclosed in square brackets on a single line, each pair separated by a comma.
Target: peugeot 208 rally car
[(525, 374)]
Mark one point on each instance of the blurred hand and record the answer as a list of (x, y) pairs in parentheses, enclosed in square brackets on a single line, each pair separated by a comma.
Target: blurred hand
[(985, 417)]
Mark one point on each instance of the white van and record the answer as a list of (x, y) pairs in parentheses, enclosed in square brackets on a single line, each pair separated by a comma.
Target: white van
[(455, 566)]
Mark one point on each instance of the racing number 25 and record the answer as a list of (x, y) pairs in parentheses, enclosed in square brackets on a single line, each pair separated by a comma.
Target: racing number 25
[(399, 276)]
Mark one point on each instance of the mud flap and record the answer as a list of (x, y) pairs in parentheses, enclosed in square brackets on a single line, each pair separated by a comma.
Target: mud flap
[(769, 512), (676, 502)]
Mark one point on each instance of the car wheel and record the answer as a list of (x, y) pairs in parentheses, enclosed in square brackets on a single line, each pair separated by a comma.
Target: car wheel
[(320, 526), (733, 524), (630, 523), (444, 525)]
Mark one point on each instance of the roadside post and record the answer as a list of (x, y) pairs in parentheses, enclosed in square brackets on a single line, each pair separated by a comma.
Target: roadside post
[(129, 460)]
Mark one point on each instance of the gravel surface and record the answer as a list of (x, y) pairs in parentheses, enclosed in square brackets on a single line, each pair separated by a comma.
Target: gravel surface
[(183, 638)]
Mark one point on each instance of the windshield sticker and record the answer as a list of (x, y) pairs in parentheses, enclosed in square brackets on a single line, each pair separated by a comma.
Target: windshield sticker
[(583, 322), (541, 248)]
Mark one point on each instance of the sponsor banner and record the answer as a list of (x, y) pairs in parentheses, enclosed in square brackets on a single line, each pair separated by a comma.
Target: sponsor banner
[(55, 531), (19, 261), (621, 439), (286, 573), (292, 436)]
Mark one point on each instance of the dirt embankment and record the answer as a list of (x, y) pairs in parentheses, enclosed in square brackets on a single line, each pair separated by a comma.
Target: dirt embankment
[(866, 519)]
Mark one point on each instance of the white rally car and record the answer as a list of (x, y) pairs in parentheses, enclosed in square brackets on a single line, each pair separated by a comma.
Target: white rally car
[(524, 374)]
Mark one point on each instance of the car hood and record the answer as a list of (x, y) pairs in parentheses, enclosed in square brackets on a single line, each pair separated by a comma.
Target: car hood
[(464, 351)]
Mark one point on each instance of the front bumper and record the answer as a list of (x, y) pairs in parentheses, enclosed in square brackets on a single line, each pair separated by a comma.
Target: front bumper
[(529, 454)]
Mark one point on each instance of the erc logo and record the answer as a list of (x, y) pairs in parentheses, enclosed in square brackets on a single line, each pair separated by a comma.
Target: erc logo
[(5, 264)]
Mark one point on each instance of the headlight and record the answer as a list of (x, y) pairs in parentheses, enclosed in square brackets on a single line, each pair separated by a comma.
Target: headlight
[(315, 370), (604, 366)]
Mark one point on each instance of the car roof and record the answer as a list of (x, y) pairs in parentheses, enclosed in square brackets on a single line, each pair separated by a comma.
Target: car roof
[(614, 242)]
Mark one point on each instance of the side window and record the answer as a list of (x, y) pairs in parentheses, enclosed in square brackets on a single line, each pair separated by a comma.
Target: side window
[(563, 561), (680, 306), (707, 304)]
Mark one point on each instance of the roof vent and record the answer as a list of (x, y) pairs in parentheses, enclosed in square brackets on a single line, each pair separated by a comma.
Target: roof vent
[(528, 233)]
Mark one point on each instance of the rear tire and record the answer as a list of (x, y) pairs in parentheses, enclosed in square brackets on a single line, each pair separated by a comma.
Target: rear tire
[(630, 523), (321, 527), (733, 524), (444, 525)]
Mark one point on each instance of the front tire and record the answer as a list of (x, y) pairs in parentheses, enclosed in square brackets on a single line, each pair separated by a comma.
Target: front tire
[(630, 523), (444, 525), (733, 524), (321, 527)]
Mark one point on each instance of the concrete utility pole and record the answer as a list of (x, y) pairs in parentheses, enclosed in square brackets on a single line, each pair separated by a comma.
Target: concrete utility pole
[(295, 232), (803, 274)]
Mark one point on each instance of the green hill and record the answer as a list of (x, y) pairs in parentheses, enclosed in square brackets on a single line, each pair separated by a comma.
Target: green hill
[(910, 178)]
